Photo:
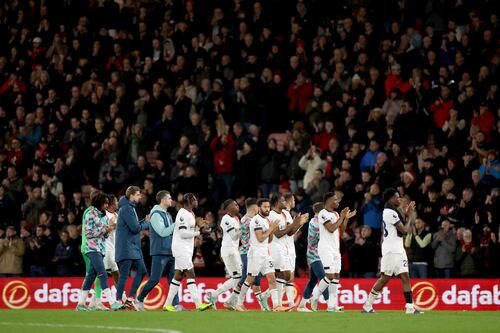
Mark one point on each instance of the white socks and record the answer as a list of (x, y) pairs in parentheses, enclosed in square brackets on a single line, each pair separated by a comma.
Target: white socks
[(280, 285), (228, 284), (243, 293), (290, 293), (372, 296), (274, 298), (193, 291), (107, 295), (172, 291), (332, 293), (323, 284), (83, 297)]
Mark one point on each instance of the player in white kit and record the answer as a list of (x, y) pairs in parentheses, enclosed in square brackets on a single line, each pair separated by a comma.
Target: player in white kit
[(394, 260), (231, 232), (331, 227), (187, 227), (259, 258), (280, 252), (290, 238)]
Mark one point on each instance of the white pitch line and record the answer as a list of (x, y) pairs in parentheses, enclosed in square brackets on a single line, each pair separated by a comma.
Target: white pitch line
[(117, 328)]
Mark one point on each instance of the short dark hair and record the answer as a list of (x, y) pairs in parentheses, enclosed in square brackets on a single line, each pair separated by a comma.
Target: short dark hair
[(227, 203), (261, 201), (188, 198), (160, 195), (389, 193), (317, 207), (288, 196), (274, 199), (99, 199), (250, 202), (328, 195)]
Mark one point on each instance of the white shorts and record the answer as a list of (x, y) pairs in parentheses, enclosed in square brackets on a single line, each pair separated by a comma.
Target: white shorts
[(281, 260), (332, 262), (293, 259), (183, 263), (232, 261), (259, 264), (394, 264), (110, 262)]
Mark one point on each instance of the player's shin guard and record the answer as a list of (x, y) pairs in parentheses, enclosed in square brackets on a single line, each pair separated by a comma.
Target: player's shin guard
[(274, 298), (243, 293), (290, 293), (83, 297), (107, 295), (332, 293), (172, 291), (191, 284), (280, 285), (228, 284), (323, 284), (372, 297)]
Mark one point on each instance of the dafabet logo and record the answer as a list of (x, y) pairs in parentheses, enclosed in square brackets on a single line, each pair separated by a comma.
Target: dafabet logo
[(16, 295), (425, 295)]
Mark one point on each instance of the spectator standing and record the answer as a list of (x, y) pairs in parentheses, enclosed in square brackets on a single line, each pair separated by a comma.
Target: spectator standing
[(64, 256), (418, 243), (468, 255), (444, 243), (11, 254)]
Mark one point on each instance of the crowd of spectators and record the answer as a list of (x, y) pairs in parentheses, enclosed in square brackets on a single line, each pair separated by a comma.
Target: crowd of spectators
[(239, 98)]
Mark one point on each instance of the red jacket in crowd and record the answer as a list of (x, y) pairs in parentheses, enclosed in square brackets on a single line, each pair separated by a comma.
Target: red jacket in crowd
[(299, 96), (441, 109), (396, 82), (223, 153)]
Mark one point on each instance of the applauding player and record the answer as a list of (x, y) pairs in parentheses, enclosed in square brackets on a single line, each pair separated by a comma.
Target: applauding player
[(186, 229), (394, 260)]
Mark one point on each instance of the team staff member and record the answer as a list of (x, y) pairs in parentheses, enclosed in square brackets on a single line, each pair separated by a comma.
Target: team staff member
[(160, 233), (128, 252)]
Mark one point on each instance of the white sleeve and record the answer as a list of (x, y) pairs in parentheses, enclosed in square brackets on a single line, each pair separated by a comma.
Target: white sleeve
[(324, 218), (390, 217), (228, 226)]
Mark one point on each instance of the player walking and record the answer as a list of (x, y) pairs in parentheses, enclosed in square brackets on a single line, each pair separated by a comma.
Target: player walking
[(394, 260), (230, 225), (331, 227), (186, 229)]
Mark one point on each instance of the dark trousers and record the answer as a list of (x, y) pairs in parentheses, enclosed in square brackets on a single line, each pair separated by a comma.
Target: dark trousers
[(125, 267), (443, 273), (418, 271), (96, 269), (317, 272), (161, 264)]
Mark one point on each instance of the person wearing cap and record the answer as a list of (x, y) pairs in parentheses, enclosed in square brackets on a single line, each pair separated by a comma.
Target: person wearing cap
[(394, 260), (160, 234), (11, 254)]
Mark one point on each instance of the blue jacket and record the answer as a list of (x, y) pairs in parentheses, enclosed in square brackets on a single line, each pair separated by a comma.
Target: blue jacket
[(160, 232), (128, 232), (372, 213)]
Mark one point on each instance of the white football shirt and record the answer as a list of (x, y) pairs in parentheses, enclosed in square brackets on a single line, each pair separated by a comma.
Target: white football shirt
[(258, 248), (279, 244), (110, 240), (393, 242), (229, 224), (328, 241), (183, 246), (289, 239)]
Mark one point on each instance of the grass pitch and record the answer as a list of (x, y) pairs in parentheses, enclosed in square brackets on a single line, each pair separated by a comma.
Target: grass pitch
[(54, 321)]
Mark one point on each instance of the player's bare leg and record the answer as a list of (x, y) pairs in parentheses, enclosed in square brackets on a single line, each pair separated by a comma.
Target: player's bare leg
[(376, 289), (410, 308)]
